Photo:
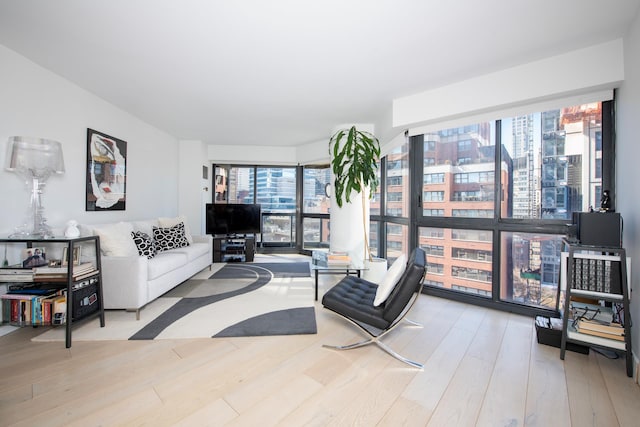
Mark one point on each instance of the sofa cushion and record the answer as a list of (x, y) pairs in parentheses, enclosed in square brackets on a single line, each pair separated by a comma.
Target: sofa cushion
[(115, 239), (170, 238), (194, 251), (145, 244), (390, 280), (170, 222), (165, 262)]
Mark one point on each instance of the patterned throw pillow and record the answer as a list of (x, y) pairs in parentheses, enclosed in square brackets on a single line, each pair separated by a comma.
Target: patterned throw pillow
[(170, 238), (145, 244)]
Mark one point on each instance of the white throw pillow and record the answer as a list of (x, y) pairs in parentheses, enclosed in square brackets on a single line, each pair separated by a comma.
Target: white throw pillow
[(170, 222), (390, 280), (115, 239)]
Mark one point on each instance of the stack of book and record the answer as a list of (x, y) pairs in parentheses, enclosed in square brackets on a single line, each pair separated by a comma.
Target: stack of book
[(330, 259), (9, 275), (613, 331), (338, 258), (59, 274)]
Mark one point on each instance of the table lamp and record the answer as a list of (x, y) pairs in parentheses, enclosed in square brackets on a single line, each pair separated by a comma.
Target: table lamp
[(34, 160)]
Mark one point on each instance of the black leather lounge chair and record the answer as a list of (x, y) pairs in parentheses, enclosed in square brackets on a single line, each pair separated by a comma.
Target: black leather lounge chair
[(352, 298)]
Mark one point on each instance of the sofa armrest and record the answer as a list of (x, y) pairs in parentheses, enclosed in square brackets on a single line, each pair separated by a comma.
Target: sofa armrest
[(124, 282), (208, 239), (203, 239)]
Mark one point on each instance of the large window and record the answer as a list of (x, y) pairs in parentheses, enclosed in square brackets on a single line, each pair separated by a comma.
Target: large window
[(397, 182), (273, 188), (458, 168), (549, 165), (531, 267), (556, 161), (316, 203)]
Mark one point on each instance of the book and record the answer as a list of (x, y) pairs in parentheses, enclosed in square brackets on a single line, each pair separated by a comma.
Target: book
[(338, 258), (612, 328), (58, 274), (59, 310), (602, 334)]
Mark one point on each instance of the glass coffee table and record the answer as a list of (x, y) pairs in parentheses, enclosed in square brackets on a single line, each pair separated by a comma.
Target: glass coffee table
[(346, 269)]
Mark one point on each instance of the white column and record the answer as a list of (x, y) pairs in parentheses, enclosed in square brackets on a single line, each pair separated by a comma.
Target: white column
[(346, 224)]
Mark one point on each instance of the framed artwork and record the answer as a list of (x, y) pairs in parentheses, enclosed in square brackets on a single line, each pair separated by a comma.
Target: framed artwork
[(106, 172), (75, 257)]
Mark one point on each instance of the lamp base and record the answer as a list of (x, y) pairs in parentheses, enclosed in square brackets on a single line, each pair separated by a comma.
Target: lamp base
[(35, 225)]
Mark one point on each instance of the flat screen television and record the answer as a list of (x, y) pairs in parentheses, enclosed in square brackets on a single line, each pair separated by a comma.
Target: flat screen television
[(232, 218)]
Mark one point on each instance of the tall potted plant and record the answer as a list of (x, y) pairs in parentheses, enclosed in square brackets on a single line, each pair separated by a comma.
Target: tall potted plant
[(354, 160)]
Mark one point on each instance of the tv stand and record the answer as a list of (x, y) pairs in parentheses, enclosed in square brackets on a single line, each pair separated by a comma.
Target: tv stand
[(234, 248)]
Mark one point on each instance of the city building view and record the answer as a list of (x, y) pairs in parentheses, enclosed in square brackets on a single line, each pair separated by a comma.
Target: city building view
[(550, 165)]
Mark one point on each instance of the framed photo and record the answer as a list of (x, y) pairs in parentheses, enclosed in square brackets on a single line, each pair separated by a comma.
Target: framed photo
[(75, 257), (106, 172), (34, 257)]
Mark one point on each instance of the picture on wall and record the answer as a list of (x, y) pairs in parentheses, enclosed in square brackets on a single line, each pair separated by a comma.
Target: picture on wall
[(106, 172)]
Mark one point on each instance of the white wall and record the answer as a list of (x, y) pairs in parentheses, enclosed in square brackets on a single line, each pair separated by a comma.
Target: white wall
[(195, 191), (36, 102), (627, 162), (254, 155)]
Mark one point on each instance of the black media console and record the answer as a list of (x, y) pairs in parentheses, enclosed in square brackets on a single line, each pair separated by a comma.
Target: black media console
[(234, 248)]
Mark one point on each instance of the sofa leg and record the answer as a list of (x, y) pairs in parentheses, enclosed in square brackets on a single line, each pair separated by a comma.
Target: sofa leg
[(137, 310)]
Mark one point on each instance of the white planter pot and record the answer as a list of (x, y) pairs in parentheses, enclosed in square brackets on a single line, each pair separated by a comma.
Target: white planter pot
[(375, 270)]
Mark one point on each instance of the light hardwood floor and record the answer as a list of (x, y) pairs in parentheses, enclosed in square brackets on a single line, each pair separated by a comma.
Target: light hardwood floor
[(482, 368)]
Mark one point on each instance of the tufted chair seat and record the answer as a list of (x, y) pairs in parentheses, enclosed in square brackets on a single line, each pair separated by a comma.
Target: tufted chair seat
[(352, 298)]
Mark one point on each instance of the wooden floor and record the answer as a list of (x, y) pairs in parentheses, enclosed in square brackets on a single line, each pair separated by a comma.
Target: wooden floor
[(482, 367)]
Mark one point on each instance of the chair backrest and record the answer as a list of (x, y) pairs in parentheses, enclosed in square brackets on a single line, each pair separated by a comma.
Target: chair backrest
[(409, 283)]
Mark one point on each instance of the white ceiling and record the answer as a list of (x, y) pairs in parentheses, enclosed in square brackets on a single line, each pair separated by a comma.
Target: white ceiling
[(288, 72)]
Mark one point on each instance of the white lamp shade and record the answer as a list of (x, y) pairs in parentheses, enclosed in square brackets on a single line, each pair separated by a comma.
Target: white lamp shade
[(34, 157)]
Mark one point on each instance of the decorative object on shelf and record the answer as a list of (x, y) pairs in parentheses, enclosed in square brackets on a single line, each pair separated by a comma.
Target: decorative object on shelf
[(75, 258), (72, 229), (605, 201), (106, 172), (34, 160), (34, 257), (354, 161)]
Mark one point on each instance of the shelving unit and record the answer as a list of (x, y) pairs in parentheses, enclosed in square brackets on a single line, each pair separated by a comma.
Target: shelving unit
[(234, 248), (599, 275), (83, 293)]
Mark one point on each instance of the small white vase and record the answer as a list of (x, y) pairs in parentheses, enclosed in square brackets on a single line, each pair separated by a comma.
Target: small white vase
[(72, 230)]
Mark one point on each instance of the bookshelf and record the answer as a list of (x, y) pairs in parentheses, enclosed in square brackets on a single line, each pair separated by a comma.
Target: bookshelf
[(596, 305), (52, 295)]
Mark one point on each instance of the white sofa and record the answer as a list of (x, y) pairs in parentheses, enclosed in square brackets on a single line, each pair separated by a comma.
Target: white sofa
[(129, 280)]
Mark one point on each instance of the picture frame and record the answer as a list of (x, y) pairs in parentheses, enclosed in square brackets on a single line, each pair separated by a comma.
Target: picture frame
[(106, 172), (34, 257), (75, 256)]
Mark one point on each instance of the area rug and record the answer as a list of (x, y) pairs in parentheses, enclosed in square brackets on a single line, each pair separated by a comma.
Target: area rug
[(239, 299)]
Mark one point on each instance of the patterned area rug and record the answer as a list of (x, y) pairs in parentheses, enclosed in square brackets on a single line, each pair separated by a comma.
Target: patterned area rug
[(239, 299)]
